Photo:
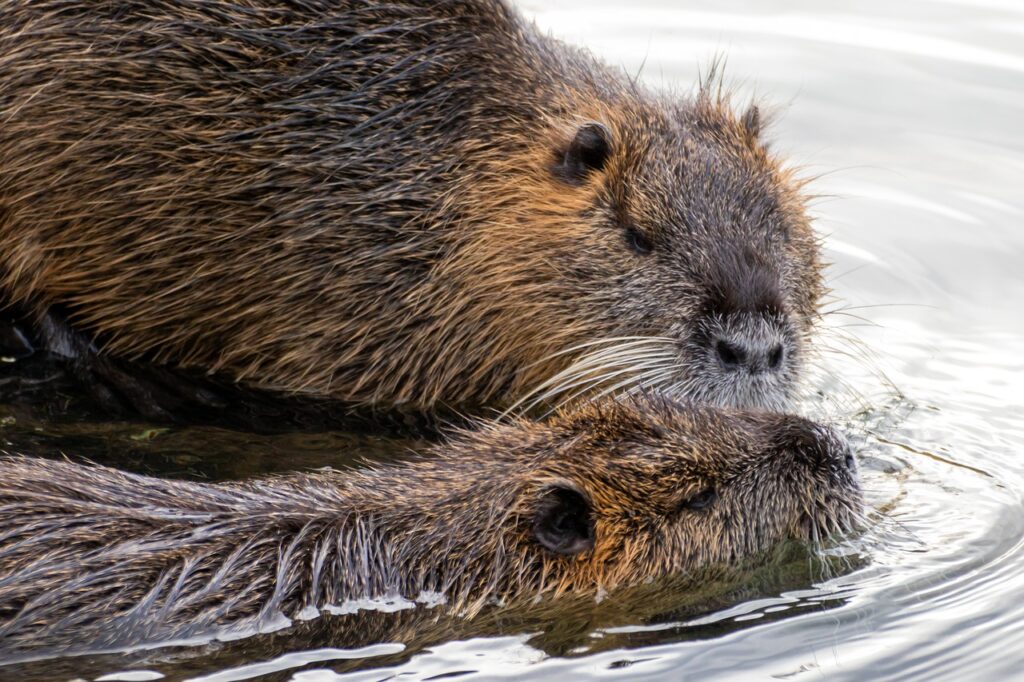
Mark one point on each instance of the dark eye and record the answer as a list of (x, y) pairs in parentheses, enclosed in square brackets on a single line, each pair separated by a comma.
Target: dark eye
[(638, 242), (701, 501)]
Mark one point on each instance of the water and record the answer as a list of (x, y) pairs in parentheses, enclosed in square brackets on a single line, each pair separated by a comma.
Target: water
[(911, 114)]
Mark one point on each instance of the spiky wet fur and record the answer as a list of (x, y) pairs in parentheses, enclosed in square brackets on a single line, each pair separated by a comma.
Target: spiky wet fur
[(356, 199), (93, 558)]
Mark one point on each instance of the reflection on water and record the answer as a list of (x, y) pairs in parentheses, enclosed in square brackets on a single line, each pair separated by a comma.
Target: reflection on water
[(910, 113)]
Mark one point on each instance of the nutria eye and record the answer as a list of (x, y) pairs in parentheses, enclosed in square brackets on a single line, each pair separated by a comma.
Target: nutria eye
[(638, 242), (701, 501)]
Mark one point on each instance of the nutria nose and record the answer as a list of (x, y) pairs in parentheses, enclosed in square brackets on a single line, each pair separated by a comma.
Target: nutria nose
[(850, 461), (754, 356), (816, 444)]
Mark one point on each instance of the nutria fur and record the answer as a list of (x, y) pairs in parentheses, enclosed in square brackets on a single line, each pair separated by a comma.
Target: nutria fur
[(391, 203), (609, 496)]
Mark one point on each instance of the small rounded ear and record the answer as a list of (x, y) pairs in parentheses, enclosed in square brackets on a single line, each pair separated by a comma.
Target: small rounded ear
[(563, 522), (752, 121), (588, 152)]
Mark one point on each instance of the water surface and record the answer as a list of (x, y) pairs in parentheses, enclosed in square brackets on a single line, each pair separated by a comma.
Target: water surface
[(911, 116)]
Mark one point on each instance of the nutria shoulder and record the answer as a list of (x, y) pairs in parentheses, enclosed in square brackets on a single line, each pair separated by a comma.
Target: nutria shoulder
[(391, 203), (610, 496)]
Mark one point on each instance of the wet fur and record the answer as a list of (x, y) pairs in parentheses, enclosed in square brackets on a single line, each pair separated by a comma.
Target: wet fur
[(96, 559), (363, 200)]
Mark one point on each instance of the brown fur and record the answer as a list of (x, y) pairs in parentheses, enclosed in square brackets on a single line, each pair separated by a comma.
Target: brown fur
[(93, 558), (361, 199)]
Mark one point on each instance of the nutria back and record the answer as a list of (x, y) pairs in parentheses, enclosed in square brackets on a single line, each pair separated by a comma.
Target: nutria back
[(391, 203), (611, 496)]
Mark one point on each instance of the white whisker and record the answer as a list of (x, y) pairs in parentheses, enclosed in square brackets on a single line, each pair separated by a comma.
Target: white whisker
[(591, 382), (638, 358), (639, 340)]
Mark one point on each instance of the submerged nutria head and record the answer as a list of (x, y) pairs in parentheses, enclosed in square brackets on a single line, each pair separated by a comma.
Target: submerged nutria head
[(610, 496), (621, 492), (393, 203)]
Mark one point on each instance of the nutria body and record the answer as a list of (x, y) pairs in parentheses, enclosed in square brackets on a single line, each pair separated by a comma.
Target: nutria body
[(611, 496), (391, 203)]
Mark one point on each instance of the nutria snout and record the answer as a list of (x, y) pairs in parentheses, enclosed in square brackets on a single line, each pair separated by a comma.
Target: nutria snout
[(607, 496), (387, 203)]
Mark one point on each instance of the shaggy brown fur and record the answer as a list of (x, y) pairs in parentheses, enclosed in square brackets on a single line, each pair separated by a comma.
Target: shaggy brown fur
[(385, 202), (611, 496)]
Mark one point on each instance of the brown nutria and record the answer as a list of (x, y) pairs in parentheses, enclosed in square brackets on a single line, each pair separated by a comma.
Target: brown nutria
[(391, 203), (611, 495)]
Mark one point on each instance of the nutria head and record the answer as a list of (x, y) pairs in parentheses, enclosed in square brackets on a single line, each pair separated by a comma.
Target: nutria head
[(614, 495), (678, 256), (622, 492)]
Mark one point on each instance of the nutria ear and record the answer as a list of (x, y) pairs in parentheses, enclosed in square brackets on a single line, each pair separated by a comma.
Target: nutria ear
[(752, 121), (588, 152), (563, 522)]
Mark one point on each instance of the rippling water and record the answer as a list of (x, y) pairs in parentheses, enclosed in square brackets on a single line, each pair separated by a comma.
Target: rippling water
[(912, 115)]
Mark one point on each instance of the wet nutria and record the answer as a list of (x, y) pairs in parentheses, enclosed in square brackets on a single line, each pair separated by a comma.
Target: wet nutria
[(609, 496), (391, 203)]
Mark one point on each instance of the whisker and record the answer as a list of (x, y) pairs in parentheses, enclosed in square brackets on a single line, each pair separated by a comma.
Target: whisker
[(639, 340), (610, 359), (591, 382), (589, 366), (639, 380)]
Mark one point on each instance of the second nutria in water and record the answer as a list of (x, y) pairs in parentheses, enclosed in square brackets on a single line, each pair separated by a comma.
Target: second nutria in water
[(610, 496), (390, 203)]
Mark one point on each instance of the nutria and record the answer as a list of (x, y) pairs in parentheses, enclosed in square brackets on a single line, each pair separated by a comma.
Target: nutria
[(611, 495), (391, 203)]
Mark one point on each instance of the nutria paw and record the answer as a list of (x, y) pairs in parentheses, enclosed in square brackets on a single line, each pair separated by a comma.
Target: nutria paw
[(123, 388)]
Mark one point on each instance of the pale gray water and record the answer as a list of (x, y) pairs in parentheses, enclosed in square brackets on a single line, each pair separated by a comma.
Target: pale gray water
[(912, 112)]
